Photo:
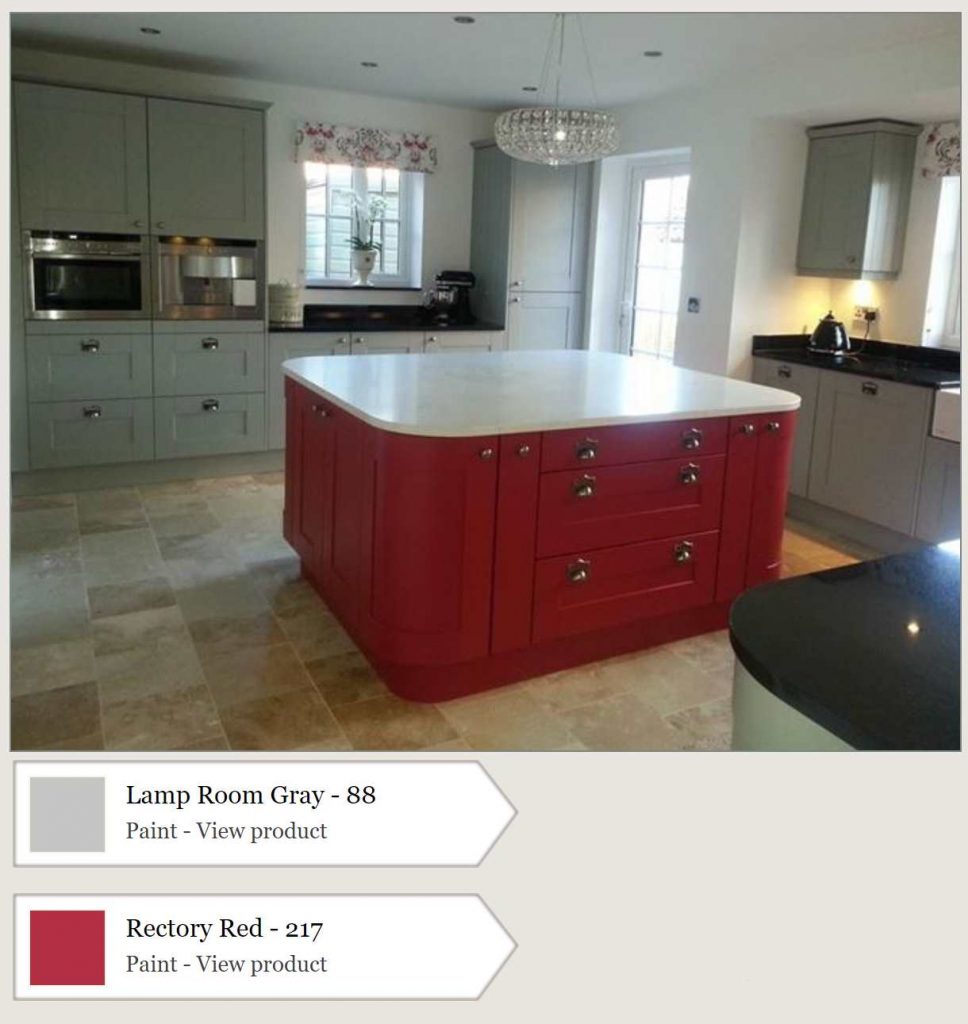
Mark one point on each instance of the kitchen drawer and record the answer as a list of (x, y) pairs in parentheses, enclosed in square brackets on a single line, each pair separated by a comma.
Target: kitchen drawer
[(192, 364), (637, 442), (598, 589), (216, 424), (88, 366), (605, 506), (88, 433)]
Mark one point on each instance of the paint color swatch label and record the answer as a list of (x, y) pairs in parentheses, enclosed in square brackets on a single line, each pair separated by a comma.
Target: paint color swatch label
[(257, 813), (256, 947)]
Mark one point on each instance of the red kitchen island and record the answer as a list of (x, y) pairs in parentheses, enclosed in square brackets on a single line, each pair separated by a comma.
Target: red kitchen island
[(473, 519)]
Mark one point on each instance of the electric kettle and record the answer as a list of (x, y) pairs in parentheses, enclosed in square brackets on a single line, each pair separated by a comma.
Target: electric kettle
[(829, 336)]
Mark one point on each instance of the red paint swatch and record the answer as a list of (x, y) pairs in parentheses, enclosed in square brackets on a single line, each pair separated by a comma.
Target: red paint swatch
[(67, 947)]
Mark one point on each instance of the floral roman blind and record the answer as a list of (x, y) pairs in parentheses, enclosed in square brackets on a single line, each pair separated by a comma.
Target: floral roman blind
[(323, 143), (941, 150)]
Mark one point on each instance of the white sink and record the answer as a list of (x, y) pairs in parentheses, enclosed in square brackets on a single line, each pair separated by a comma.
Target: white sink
[(946, 422)]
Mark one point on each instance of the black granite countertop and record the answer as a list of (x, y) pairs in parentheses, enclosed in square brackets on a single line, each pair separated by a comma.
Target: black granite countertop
[(378, 318), (884, 360), (870, 651)]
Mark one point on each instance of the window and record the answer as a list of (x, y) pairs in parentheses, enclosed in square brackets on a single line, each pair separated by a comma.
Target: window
[(657, 219), (333, 193), (942, 318)]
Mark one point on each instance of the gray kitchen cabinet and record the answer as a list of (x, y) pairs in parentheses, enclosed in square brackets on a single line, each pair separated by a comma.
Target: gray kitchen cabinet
[(544, 320), (867, 448), (855, 199), (285, 345), (387, 342), (202, 361), (549, 227), (88, 433), (529, 242), (805, 382), (19, 430), (82, 159), (939, 501), (92, 365), (215, 424), (207, 169)]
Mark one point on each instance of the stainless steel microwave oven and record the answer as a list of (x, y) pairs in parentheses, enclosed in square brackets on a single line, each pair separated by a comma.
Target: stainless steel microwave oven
[(76, 276), (208, 279)]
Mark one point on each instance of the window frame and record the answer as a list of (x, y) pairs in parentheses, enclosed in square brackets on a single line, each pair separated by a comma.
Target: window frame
[(942, 317), (671, 165), (411, 205)]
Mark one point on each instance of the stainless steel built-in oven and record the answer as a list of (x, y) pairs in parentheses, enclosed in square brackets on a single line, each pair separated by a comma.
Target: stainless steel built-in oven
[(75, 276), (208, 279)]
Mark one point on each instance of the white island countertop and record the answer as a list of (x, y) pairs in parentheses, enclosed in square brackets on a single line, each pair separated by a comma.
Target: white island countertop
[(451, 394)]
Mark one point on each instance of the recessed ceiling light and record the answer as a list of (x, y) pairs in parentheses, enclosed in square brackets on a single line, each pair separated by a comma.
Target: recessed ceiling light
[(150, 31), (464, 19), (369, 64), (529, 88), (652, 53)]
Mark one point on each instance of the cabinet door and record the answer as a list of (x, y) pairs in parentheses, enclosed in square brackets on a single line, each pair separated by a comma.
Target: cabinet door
[(292, 345), (206, 166), (387, 342), (549, 227), (774, 450), (309, 469), (214, 424), (82, 159), (88, 433), (192, 364), (867, 448), (939, 502), (490, 232), (544, 320), (86, 366), (428, 547), (803, 381), (836, 200), (463, 341)]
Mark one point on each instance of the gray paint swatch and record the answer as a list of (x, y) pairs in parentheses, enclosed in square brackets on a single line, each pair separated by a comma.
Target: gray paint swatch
[(66, 815)]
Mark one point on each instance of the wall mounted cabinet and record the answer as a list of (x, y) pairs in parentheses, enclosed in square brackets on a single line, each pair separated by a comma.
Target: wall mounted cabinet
[(529, 243), (855, 199), (83, 160)]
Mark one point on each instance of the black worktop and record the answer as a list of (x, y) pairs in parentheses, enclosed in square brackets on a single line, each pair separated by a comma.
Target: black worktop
[(885, 360), (378, 318), (870, 651)]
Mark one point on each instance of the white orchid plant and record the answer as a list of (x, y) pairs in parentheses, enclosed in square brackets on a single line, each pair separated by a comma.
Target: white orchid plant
[(365, 213)]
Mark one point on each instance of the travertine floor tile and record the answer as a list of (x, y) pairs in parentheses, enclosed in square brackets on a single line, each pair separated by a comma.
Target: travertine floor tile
[(621, 723), (51, 666), (288, 721), (669, 683), (255, 672), (49, 609), (217, 637), (706, 727), (508, 718), (120, 598), (63, 716), (711, 652), (161, 721), (345, 679), (388, 723), (562, 691), (29, 502), (228, 597)]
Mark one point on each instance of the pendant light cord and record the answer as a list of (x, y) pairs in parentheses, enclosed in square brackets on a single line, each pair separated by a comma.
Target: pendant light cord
[(558, 30), (588, 59)]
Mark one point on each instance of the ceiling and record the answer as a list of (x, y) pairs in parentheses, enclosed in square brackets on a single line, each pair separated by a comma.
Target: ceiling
[(484, 65)]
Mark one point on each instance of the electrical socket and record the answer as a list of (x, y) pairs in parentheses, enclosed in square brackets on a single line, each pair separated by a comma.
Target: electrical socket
[(866, 314)]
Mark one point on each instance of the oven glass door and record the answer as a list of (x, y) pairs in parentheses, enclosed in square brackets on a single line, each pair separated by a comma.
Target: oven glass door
[(95, 284)]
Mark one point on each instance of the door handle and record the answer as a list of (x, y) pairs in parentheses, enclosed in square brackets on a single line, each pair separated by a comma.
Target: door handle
[(869, 387), (689, 474), (784, 371), (587, 450), (93, 346), (210, 344), (584, 486), (210, 405), (92, 412), (578, 571), (692, 438), (684, 551)]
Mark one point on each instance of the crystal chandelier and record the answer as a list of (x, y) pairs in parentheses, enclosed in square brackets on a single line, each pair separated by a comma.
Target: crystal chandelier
[(552, 134)]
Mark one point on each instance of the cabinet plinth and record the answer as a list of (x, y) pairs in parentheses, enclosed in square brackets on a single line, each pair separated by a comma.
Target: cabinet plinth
[(463, 563)]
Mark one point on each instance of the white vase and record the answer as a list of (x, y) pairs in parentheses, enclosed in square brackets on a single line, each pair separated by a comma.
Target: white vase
[(363, 262)]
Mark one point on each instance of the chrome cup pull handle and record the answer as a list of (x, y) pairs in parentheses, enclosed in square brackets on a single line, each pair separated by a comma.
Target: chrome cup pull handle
[(784, 371), (869, 387), (92, 412), (92, 345), (210, 344), (578, 571), (692, 438), (684, 551), (584, 486), (210, 405), (689, 474), (587, 450)]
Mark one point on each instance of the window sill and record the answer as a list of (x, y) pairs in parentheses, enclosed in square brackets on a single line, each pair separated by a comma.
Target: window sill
[(362, 288)]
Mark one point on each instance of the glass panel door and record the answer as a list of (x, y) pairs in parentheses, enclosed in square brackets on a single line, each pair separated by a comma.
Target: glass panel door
[(657, 237)]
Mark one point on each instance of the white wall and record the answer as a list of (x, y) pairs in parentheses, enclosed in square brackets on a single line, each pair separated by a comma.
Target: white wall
[(447, 195), (748, 158)]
